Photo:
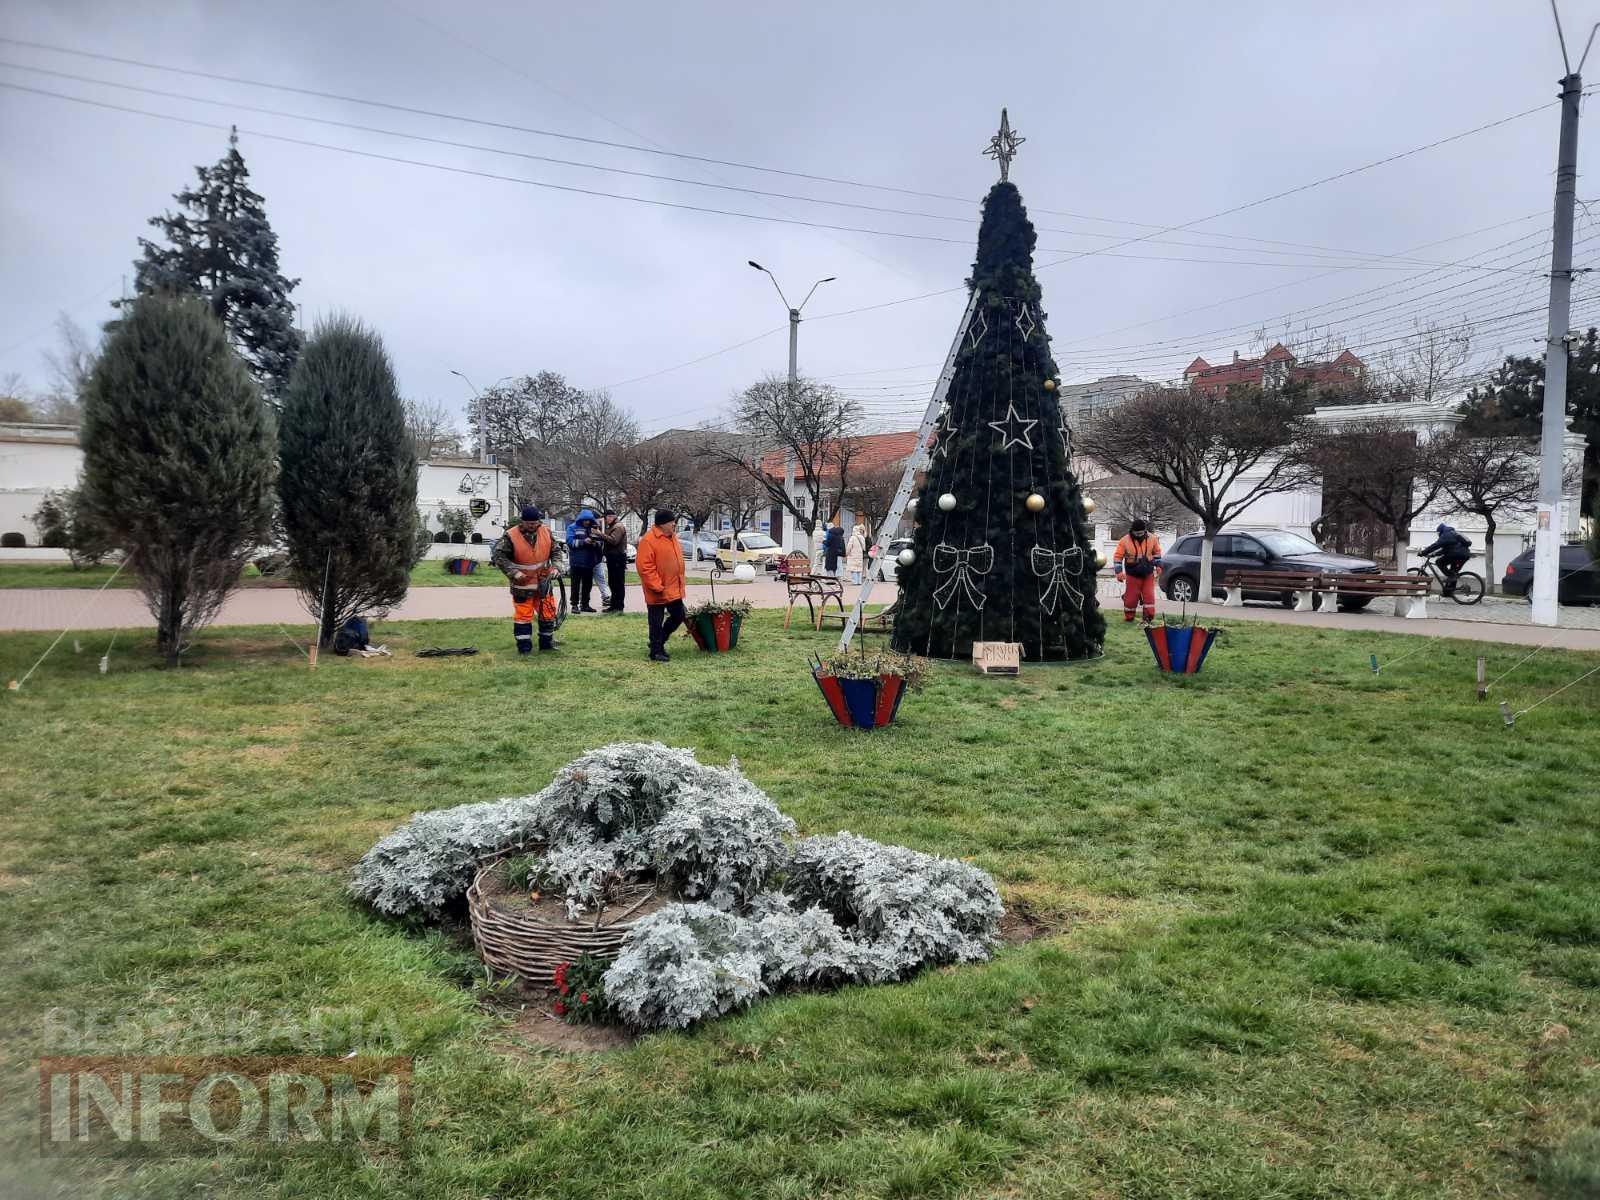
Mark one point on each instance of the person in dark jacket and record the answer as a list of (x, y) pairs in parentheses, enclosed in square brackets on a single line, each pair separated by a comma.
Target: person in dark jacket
[(1453, 550), (614, 536), (832, 548), (583, 556)]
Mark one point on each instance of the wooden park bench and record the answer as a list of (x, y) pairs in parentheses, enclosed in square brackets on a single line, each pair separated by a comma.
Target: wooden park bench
[(1410, 592), (808, 587), (1303, 584)]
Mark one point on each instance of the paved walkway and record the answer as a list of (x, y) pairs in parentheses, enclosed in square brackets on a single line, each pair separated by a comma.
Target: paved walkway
[(121, 608)]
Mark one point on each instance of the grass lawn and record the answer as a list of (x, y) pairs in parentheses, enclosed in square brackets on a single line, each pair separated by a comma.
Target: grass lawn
[(1313, 929), (424, 574)]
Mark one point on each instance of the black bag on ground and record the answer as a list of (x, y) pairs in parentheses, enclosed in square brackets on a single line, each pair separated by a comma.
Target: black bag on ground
[(352, 635)]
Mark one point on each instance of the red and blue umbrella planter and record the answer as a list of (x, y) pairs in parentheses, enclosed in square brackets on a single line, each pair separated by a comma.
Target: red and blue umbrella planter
[(862, 698), (1180, 649)]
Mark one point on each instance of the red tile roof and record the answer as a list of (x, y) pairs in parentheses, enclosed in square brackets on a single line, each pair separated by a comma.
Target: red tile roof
[(872, 451)]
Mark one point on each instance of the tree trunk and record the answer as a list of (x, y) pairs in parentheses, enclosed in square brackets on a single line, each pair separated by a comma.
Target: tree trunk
[(326, 630), (1203, 592), (1402, 549), (169, 622), (1489, 578)]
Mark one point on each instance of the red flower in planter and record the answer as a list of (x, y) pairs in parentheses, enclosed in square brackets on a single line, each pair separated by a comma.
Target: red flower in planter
[(560, 1009), (583, 999)]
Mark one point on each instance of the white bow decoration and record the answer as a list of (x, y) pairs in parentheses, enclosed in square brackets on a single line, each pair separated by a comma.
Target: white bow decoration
[(957, 568), (1060, 567)]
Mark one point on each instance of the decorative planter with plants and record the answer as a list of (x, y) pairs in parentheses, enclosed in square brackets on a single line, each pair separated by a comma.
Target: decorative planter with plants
[(521, 927), (714, 625), (460, 565), (1180, 649), (864, 689)]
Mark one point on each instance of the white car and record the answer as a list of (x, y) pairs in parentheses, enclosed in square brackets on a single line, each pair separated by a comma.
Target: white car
[(697, 547), (890, 563)]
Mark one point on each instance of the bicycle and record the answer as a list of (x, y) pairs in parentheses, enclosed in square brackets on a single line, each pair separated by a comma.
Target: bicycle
[(1468, 587)]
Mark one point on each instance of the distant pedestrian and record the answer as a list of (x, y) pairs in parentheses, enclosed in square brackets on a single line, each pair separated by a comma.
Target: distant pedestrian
[(614, 544), (660, 563), (855, 558), (832, 549), (583, 556)]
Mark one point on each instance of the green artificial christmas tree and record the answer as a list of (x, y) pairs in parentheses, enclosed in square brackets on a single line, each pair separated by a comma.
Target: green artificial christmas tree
[(348, 482), (221, 248), (1002, 550)]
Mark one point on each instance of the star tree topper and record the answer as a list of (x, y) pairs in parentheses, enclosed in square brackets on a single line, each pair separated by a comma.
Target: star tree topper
[(1003, 146)]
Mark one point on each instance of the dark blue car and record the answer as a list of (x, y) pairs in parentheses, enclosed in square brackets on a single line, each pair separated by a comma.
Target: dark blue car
[(1580, 576)]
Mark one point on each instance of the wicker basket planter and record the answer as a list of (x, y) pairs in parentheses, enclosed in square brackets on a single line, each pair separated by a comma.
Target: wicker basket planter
[(531, 945), (1180, 649)]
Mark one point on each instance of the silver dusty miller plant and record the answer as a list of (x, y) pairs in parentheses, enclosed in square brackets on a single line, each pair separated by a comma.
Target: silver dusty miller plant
[(627, 809), (760, 913)]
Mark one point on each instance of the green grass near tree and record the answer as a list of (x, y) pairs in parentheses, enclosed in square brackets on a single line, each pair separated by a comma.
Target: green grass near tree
[(1312, 928)]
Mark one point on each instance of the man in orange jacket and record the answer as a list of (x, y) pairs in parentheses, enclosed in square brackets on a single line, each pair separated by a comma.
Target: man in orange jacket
[(1138, 557), (529, 557), (659, 561)]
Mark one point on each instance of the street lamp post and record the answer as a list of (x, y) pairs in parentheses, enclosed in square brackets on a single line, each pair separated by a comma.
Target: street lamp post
[(483, 431), (794, 368)]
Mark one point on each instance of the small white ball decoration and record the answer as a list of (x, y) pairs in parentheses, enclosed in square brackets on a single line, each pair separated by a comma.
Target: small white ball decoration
[(947, 502), (1099, 558), (1034, 503), (906, 557), (744, 572), (911, 505), (1089, 505)]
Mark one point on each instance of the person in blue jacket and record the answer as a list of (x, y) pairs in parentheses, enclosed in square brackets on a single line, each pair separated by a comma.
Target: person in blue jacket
[(832, 548), (1453, 550), (585, 547)]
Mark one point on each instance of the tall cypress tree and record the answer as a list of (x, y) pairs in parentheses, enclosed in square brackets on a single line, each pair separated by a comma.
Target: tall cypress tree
[(221, 247), (992, 568), (177, 460), (348, 477)]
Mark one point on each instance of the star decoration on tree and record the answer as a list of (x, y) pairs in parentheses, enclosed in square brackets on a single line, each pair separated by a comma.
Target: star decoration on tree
[(1013, 420), (1003, 146)]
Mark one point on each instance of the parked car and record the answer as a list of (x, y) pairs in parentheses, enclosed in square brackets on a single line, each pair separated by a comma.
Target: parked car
[(890, 563), (755, 548), (1257, 550), (698, 547), (1580, 576)]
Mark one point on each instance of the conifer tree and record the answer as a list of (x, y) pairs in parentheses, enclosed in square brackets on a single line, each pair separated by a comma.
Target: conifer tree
[(992, 568), (348, 477), (177, 460), (221, 247)]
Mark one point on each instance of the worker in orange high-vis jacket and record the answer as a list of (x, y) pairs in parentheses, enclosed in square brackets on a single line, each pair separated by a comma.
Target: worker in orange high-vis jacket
[(659, 561), (1137, 561), (530, 558)]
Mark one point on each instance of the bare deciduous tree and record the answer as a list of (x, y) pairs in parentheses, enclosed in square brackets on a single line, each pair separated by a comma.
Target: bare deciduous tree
[(1148, 503), (1488, 476), (646, 476), (1426, 367), (433, 429), (872, 493), (1214, 457), (1378, 469), (812, 427)]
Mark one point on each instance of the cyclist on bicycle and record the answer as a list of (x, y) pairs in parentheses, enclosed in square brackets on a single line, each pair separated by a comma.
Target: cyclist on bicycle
[(1453, 550)]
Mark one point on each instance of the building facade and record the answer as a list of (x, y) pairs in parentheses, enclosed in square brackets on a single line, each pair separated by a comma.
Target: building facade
[(1274, 369)]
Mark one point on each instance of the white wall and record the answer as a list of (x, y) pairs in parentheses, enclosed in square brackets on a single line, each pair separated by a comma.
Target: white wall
[(455, 483), (34, 459)]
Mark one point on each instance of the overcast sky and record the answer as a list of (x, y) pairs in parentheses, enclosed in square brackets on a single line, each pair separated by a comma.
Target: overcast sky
[(1149, 113)]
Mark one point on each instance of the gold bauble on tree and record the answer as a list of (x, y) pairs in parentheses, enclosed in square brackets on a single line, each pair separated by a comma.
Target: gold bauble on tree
[(1089, 505), (1034, 502), (1049, 385), (1099, 558)]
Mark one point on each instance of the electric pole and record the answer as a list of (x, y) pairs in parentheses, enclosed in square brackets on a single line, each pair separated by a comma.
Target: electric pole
[(1553, 428)]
